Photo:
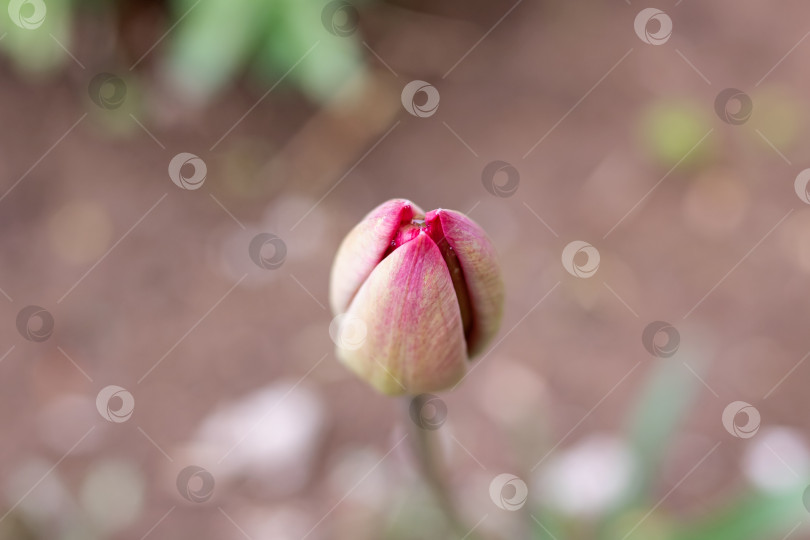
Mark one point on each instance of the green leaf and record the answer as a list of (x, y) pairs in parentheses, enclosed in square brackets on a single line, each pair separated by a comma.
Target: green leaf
[(664, 402), (652, 424), (213, 41), (547, 525), (36, 48), (753, 516), (319, 62)]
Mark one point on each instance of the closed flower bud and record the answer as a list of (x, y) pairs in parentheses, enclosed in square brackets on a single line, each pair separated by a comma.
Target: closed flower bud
[(416, 296)]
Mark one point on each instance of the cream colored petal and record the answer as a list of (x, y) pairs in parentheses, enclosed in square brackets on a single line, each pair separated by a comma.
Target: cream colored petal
[(482, 275), (414, 340), (363, 248)]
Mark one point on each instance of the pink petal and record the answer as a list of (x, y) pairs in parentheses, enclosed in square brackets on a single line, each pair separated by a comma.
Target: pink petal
[(482, 274), (414, 341), (364, 247)]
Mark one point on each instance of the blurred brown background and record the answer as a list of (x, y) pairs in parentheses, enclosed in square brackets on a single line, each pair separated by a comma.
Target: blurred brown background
[(151, 287)]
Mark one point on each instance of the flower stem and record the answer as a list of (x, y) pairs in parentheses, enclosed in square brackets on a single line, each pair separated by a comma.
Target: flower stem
[(423, 442)]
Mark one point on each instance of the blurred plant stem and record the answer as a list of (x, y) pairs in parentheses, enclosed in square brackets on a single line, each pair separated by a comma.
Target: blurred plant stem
[(427, 454)]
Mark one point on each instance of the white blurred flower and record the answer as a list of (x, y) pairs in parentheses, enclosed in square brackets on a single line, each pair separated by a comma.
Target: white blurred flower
[(112, 494), (777, 458), (270, 437), (587, 478), (50, 501), (276, 522)]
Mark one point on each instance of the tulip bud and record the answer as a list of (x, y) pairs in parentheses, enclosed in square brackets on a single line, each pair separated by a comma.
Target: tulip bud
[(416, 294)]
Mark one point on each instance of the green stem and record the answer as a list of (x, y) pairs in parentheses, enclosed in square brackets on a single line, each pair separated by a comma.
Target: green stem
[(423, 442)]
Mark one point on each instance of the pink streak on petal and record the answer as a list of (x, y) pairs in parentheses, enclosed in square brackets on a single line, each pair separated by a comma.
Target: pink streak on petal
[(414, 333), (482, 274), (363, 248)]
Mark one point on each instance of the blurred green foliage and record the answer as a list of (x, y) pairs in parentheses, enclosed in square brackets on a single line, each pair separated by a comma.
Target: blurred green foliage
[(221, 37), (652, 426), (201, 46), (671, 130), (35, 50)]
